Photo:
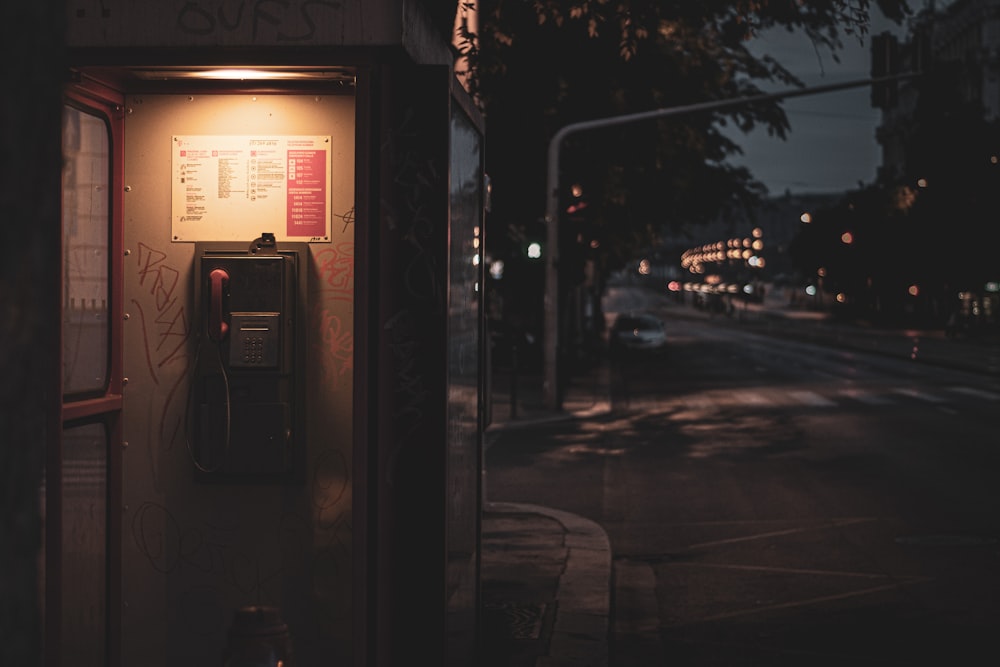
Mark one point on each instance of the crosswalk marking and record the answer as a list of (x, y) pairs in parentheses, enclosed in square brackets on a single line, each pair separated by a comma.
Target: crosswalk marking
[(700, 403), (915, 393), (866, 397), (886, 396), (750, 397), (978, 393), (812, 398)]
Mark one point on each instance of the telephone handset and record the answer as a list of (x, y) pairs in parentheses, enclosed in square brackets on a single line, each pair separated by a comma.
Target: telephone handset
[(217, 327), (245, 386)]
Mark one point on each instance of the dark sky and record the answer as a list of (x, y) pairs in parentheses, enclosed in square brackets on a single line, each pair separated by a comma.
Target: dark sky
[(832, 144)]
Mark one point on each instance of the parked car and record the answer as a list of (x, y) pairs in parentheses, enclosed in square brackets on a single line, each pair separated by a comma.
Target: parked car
[(637, 332)]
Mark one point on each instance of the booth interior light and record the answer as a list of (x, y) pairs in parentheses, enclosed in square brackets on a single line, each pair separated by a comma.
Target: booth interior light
[(244, 74), (247, 74)]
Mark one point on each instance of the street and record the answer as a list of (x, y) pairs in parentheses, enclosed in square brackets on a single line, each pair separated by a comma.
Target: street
[(778, 502)]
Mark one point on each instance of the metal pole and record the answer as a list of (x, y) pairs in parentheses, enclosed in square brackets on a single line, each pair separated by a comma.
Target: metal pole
[(550, 389)]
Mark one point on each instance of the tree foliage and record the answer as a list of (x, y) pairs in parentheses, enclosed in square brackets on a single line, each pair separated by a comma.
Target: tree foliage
[(542, 64)]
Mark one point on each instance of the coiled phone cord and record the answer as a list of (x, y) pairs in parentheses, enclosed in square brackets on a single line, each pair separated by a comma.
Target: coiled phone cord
[(187, 411)]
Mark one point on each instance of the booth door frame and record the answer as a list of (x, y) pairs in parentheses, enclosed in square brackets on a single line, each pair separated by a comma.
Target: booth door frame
[(101, 407)]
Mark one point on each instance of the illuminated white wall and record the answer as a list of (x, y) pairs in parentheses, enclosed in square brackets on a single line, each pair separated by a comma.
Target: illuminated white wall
[(194, 551)]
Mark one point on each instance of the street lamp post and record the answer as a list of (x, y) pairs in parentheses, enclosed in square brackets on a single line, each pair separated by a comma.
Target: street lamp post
[(550, 383)]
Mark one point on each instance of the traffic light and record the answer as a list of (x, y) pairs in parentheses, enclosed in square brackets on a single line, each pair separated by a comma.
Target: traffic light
[(533, 236)]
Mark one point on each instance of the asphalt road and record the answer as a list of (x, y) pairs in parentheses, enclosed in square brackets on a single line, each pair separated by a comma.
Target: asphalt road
[(777, 502)]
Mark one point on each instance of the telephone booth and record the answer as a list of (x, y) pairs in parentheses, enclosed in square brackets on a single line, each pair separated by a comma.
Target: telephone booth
[(271, 336)]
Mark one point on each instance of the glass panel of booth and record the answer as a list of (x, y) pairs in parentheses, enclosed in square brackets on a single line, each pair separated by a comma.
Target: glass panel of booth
[(86, 240), (466, 196)]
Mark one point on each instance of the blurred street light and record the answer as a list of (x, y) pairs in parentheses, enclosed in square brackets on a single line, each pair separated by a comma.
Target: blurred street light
[(496, 269)]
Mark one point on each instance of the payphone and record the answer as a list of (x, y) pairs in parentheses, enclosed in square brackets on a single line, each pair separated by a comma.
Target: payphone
[(246, 393)]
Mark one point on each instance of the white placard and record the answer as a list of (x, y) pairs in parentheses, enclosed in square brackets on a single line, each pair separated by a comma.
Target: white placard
[(236, 187)]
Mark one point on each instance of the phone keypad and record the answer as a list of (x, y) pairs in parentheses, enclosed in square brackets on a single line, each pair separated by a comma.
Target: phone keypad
[(255, 342), (253, 349)]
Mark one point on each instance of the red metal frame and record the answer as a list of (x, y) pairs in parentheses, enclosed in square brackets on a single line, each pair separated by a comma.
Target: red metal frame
[(108, 104)]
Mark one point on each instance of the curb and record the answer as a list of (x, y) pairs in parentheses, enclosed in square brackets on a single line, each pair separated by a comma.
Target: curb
[(580, 633)]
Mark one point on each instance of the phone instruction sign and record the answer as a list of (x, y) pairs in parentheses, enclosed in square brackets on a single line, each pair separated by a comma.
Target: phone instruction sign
[(235, 187)]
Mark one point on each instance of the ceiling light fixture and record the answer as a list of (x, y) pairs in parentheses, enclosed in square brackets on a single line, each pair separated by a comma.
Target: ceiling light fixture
[(247, 74)]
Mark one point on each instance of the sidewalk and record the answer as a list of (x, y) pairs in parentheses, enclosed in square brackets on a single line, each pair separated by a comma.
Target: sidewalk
[(546, 574)]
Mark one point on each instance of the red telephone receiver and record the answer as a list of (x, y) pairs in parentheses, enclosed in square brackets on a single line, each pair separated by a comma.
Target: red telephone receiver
[(217, 327)]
